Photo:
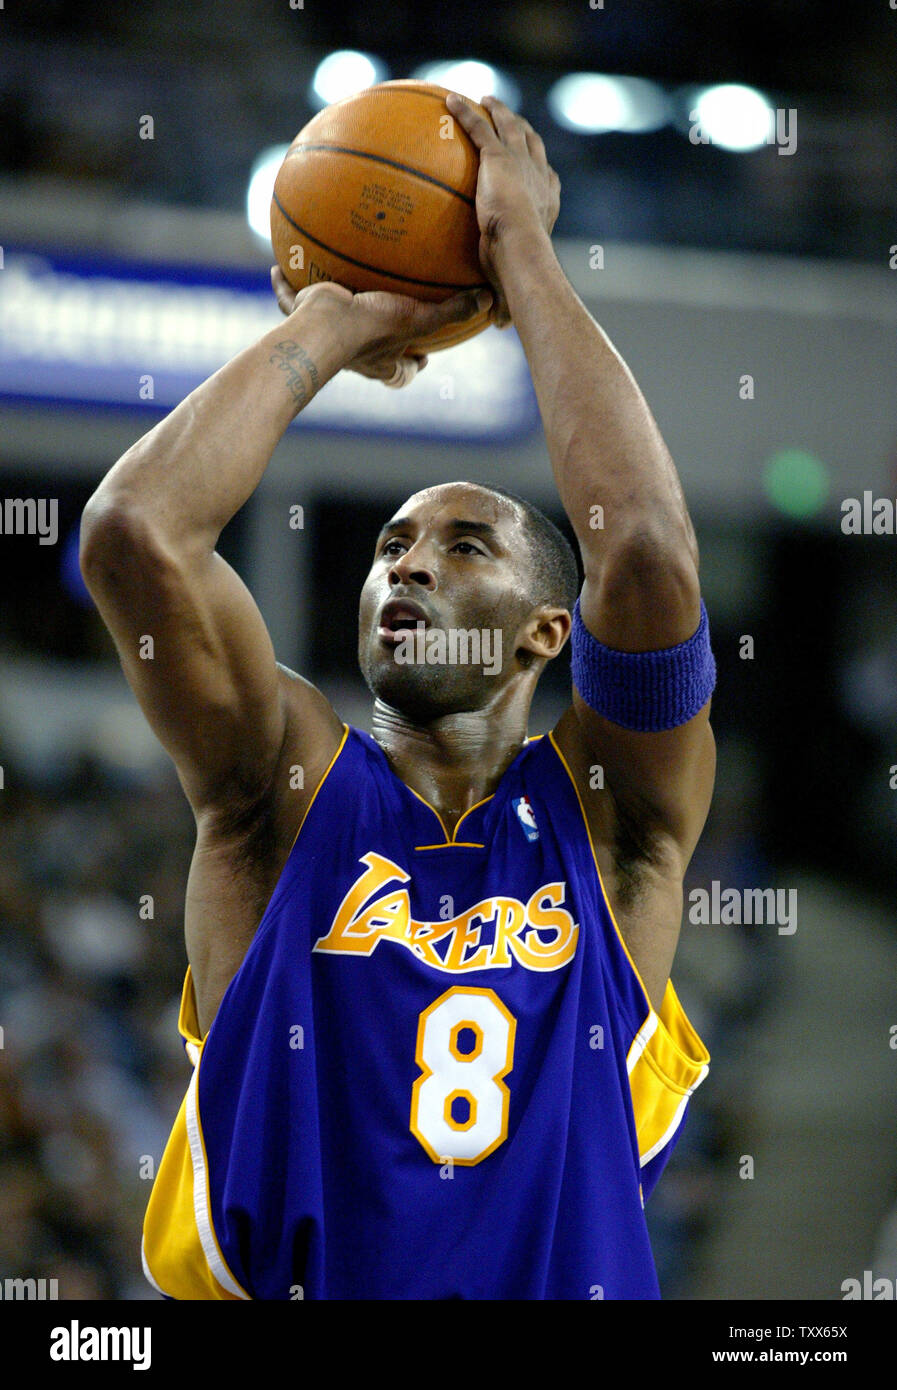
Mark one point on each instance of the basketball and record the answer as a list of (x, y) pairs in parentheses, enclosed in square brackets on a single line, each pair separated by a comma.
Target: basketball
[(378, 192)]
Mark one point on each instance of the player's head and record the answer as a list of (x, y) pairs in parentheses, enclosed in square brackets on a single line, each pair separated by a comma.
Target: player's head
[(492, 579)]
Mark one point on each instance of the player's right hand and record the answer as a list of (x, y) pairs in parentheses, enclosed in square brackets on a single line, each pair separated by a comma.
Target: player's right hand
[(377, 329), (516, 186)]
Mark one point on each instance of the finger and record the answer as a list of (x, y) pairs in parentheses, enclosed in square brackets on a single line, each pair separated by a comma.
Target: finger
[(478, 127), (509, 127), (468, 302), (501, 314), (430, 317), (536, 146), (286, 295), (403, 364), (404, 372), (386, 372)]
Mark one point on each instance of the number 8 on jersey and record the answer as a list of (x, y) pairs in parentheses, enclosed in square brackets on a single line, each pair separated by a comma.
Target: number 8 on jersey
[(459, 1103)]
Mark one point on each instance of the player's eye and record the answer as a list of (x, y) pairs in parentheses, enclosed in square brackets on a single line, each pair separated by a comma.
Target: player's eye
[(469, 548), (388, 547)]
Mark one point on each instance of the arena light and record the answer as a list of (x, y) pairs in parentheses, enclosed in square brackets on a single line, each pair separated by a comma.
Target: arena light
[(796, 481), (733, 116), (342, 74), (594, 102), (261, 187), (472, 79)]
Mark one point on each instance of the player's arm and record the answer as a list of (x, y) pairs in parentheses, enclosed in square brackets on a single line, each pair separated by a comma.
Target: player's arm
[(192, 642), (641, 590)]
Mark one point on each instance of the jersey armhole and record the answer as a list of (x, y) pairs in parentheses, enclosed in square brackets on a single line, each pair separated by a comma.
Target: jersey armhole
[(188, 1016), (327, 771), (667, 1060), (606, 900), (666, 1064)]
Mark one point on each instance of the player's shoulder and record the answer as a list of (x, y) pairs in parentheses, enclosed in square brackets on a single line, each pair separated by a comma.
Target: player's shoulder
[(587, 777), (310, 717), (572, 751), (313, 736)]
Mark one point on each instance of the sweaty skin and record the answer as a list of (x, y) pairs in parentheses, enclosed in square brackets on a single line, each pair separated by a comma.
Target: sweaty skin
[(237, 724)]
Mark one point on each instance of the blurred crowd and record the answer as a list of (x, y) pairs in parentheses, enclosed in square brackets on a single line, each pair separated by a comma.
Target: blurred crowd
[(92, 1071)]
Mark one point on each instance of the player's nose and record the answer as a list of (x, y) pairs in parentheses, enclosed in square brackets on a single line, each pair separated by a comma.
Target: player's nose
[(414, 565)]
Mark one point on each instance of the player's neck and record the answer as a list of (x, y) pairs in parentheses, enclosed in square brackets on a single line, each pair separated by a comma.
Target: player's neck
[(453, 761)]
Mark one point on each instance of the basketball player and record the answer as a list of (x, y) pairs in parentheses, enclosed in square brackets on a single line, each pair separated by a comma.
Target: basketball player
[(436, 1049)]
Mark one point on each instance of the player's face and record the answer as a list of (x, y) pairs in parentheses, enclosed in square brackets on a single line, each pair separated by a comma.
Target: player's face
[(454, 558)]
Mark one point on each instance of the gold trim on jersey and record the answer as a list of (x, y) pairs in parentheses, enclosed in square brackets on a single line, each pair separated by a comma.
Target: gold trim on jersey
[(181, 1254), (453, 844), (452, 841), (665, 1068), (340, 746)]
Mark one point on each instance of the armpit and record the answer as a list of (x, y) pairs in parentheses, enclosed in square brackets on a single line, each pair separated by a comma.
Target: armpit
[(640, 849)]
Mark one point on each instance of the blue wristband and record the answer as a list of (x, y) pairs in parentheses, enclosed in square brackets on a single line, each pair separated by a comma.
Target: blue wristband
[(643, 691)]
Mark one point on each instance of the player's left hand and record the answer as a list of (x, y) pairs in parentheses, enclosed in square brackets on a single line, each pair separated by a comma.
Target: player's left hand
[(516, 186), (377, 330)]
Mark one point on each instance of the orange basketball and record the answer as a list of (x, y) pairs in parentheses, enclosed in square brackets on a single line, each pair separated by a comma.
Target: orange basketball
[(378, 192)]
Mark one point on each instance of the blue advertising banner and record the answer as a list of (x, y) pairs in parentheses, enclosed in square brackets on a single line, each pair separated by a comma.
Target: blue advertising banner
[(103, 332)]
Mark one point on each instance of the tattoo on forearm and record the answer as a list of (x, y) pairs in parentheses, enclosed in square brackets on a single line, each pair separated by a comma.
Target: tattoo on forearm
[(289, 357)]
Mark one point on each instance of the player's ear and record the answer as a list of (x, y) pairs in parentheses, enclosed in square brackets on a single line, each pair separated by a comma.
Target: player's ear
[(543, 634)]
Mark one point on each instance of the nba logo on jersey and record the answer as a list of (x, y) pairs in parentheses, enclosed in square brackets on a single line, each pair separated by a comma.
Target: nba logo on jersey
[(526, 816)]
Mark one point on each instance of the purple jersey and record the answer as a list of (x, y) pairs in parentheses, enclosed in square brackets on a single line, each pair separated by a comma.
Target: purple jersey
[(436, 1073)]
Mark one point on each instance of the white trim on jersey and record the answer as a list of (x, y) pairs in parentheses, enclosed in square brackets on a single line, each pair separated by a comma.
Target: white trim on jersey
[(640, 1041), (146, 1269), (201, 1198)]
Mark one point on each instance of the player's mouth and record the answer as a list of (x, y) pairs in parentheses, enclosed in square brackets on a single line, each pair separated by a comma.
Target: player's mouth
[(398, 618)]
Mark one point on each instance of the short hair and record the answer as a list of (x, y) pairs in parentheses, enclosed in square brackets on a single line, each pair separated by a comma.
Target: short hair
[(555, 573)]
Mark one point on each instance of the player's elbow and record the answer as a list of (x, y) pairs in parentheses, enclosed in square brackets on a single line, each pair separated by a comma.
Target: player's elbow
[(119, 546), (651, 571)]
